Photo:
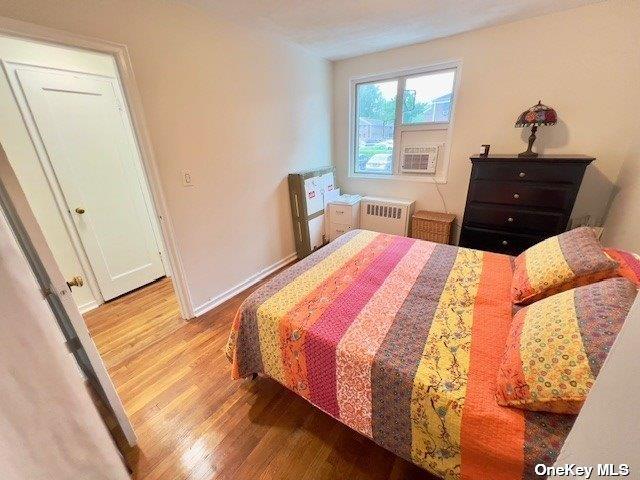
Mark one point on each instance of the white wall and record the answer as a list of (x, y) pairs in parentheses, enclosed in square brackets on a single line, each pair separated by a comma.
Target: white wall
[(584, 62), (622, 228), (239, 109), (608, 427), (49, 427)]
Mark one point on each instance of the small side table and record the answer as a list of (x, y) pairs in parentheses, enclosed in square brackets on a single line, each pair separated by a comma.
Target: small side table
[(432, 226), (344, 215)]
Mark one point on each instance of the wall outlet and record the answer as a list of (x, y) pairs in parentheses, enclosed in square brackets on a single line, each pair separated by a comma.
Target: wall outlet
[(187, 179)]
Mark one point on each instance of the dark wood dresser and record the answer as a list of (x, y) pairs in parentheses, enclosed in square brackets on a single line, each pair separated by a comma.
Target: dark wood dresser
[(515, 202)]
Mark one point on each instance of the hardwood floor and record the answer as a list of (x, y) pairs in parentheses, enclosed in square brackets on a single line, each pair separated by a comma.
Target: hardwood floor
[(194, 422)]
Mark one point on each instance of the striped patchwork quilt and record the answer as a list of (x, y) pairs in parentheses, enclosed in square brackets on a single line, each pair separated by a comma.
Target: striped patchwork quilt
[(401, 340)]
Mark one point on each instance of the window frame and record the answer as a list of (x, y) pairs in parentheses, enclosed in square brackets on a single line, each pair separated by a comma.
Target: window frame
[(399, 127)]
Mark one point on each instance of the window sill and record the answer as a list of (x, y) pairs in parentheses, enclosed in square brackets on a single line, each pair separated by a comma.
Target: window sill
[(439, 179)]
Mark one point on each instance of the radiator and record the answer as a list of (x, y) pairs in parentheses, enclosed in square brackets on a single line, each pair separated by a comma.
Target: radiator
[(386, 215)]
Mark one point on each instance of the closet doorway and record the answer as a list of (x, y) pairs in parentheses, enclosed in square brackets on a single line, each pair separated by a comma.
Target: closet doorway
[(81, 189), (83, 175), (78, 123)]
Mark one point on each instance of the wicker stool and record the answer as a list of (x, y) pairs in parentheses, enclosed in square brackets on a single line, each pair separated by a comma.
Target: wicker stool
[(432, 226)]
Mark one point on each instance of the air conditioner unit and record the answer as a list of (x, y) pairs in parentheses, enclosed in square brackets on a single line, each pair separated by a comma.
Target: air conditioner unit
[(420, 158), (386, 215)]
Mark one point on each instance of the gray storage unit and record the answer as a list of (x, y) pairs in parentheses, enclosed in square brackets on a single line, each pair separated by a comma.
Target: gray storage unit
[(307, 192)]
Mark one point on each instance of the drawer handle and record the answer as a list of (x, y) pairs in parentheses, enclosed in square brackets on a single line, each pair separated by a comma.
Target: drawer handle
[(340, 212), (505, 243), (522, 174), (516, 195), (510, 219)]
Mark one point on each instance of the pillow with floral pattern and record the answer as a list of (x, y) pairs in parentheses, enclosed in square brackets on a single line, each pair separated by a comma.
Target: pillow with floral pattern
[(559, 263), (556, 346)]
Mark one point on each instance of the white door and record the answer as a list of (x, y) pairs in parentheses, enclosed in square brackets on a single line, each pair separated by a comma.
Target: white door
[(84, 131), (54, 287)]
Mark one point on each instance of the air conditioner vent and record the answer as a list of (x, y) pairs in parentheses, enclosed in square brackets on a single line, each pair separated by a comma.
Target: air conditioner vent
[(420, 159)]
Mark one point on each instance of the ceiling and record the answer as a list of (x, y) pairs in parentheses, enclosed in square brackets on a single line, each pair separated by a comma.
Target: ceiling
[(336, 29)]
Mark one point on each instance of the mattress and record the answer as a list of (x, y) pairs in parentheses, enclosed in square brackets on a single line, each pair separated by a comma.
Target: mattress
[(401, 340)]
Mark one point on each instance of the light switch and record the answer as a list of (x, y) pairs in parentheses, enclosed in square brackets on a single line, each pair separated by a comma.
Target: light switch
[(187, 179)]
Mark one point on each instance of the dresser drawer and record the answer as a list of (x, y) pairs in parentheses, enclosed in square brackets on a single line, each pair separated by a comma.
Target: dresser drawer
[(339, 211), (527, 171), (496, 241), (346, 214), (337, 229), (514, 193), (514, 218)]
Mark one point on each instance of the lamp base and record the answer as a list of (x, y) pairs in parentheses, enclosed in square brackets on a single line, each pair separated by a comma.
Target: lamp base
[(532, 138), (528, 153)]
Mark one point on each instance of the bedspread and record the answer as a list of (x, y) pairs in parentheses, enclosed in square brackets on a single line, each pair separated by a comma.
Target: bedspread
[(401, 340)]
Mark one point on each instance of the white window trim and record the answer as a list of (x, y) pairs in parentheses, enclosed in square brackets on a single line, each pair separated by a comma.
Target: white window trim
[(401, 75)]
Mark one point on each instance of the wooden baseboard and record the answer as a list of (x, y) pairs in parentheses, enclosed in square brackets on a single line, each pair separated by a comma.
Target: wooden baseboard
[(252, 280), (87, 307)]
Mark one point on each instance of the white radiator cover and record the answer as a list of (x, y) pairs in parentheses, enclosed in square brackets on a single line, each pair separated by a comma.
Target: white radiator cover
[(386, 215)]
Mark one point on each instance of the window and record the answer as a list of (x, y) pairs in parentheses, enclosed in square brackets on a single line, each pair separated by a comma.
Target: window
[(410, 110), (427, 98), (376, 118)]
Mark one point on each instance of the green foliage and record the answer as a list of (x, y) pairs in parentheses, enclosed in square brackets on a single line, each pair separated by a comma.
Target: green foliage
[(417, 113), (370, 151), (372, 104)]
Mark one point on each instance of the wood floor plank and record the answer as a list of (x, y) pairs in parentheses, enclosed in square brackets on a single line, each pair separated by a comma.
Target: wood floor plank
[(193, 422)]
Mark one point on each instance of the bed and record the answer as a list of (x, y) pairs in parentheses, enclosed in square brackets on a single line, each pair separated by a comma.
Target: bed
[(400, 339)]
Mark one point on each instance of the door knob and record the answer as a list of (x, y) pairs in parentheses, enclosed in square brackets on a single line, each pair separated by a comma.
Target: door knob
[(516, 195), (75, 282), (80, 210)]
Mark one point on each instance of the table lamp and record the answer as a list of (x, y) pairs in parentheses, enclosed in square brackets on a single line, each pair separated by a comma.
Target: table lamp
[(537, 115)]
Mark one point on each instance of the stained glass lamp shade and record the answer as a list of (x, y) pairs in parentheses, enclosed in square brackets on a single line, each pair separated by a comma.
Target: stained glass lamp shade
[(537, 115)]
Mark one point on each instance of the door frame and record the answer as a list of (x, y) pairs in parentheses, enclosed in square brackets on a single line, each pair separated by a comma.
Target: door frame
[(120, 54)]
